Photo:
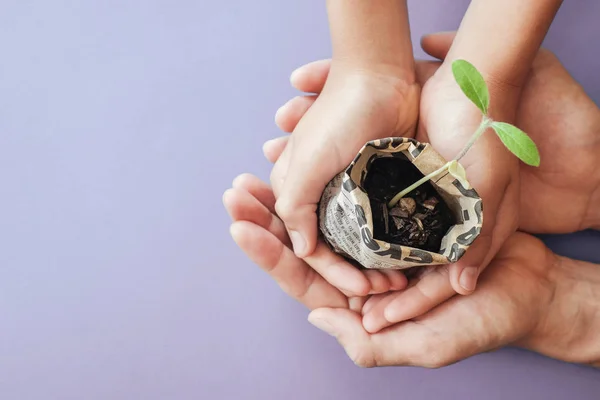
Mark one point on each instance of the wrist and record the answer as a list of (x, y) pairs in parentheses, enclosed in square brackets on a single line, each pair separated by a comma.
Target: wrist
[(372, 37), (568, 326), (502, 38)]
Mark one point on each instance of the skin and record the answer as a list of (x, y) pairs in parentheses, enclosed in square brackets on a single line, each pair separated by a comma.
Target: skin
[(528, 297), (371, 92), (546, 113)]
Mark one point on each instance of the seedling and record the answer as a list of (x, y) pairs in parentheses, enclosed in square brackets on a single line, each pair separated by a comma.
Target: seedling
[(473, 86)]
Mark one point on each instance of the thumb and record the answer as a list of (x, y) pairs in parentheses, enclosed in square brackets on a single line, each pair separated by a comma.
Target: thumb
[(297, 208), (463, 274), (438, 44), (313, 161)]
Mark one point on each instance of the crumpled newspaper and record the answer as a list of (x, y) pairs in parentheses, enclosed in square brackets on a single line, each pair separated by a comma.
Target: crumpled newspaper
[(346, 222)]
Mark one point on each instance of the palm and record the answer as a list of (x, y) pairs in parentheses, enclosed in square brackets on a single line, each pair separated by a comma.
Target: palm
[(564, 122), (352, 109)]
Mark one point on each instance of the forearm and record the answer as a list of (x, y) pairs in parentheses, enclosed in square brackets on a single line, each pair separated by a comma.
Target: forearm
[(372, 35), (570, 328), (502, 37)]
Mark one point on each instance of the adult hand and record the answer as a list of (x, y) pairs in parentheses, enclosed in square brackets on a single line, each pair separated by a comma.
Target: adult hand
[(562, 195), (262, 235), (525, 297)]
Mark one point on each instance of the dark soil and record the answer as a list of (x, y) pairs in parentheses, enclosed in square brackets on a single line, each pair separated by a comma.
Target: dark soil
[(420, 219)]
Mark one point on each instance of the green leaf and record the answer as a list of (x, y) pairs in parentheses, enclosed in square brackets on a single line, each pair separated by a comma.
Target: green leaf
[(458, 172), (472, 84), (518, 143)]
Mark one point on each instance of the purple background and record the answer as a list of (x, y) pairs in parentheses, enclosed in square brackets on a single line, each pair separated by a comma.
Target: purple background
[(121, 123)]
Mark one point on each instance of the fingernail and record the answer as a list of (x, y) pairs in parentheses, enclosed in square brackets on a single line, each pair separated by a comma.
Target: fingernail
[(322, 325), (468, 278), (298, 243)]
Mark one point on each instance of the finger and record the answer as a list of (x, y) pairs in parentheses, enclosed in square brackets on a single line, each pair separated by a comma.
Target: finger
[(292, 274), (242, 206), (423, 343), (356, 303), (398, 280), (345, 326), (372, 301), (310, 78), (280, 168), (425, 70), (273, 148), (384, 281), (300, 218), (408, 344), (428, 292), (309, 168), (257, 188), (379, 282), (463, 274), (438, 44), (338, 272), (288, 115)]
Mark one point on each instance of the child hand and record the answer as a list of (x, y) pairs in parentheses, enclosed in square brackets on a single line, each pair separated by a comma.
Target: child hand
[(354, 107)]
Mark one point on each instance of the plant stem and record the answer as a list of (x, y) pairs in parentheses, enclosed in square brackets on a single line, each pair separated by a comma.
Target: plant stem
[(415, 185), (486, 122)]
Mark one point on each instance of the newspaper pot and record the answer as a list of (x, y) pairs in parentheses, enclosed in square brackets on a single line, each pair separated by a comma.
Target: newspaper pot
[(355, 222)]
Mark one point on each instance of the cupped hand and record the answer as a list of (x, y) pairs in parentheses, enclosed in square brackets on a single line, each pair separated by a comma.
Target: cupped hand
[(354, 106), (447, 121), (263, 237), (509, 305)]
